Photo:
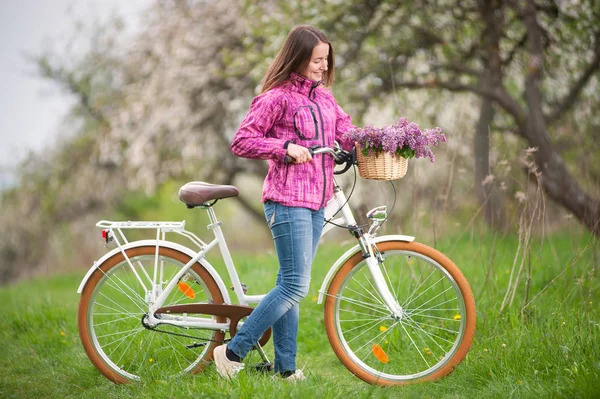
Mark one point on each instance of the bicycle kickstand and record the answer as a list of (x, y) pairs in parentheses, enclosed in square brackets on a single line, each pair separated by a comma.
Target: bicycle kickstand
[(266, 366)]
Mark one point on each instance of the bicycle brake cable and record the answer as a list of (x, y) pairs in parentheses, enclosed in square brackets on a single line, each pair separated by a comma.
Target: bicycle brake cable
[(347, 200), (393, 203)]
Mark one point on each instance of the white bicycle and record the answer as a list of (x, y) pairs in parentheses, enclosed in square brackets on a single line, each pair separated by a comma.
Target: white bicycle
[(396, 311)]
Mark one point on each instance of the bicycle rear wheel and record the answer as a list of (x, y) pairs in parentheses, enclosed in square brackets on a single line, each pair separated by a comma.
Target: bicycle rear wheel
[(434, 333), (113, 304)]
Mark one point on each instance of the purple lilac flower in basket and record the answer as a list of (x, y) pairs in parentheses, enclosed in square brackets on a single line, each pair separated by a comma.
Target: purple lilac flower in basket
[(403, 139)]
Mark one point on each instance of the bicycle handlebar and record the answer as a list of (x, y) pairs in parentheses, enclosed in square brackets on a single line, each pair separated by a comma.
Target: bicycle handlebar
[(340, 156)]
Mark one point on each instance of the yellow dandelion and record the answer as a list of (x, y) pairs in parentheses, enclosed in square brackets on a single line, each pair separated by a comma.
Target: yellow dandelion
[(386, 342), (314, 298), (62, 333), (151, 360), (383, 328), (456, 317)]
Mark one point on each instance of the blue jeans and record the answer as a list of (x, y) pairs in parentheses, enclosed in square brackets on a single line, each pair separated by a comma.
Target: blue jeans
[(296, 232)]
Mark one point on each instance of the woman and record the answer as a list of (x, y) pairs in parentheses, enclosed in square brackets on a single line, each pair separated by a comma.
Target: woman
[(293, 112)]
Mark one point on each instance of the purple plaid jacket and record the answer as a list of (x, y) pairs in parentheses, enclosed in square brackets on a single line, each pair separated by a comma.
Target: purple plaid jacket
[(305, 113)]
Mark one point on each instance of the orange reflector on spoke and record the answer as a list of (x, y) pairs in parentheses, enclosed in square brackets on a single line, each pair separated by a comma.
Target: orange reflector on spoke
[(186, 289), (380, 354)]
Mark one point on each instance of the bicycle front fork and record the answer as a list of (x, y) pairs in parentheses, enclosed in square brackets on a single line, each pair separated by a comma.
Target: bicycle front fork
[(374, 260), (374, 263)]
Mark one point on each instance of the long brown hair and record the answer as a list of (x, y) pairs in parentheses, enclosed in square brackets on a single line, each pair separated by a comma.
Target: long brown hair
[(295, 54)]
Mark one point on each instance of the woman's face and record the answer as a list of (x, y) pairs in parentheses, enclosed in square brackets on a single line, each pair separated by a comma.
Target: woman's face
[(317, 66)]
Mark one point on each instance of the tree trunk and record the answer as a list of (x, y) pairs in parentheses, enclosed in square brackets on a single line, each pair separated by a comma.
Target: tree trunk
[(487, 191), (556, 180)]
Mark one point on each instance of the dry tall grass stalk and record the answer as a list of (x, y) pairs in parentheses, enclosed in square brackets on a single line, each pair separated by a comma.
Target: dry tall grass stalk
[(533, 209)]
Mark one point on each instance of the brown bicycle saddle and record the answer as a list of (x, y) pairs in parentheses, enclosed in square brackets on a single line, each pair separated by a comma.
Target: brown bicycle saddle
[(197, 193)]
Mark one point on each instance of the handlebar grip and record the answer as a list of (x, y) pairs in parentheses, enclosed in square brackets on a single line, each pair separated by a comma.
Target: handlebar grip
[(311, 150)]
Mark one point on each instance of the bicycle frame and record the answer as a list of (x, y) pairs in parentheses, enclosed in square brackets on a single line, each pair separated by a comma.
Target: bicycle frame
[(156, 294)]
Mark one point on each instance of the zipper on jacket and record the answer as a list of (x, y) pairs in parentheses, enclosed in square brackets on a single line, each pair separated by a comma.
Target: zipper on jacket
[(312, 89), (287, 169), (314, 118)]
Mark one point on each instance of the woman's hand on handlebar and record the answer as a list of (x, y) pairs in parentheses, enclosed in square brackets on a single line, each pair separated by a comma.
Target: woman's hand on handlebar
[(298, 153)]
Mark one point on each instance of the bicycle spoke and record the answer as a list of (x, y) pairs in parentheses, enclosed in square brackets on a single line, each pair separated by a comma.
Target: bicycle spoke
[(361, 334), (149, 340), (364, 305), (170, 339), (410, 262), (410, 299), (124, 352), (137, 328), (373, 288), (441, 293), (121, 341), (116, 311), (435, 308), (384, 333), (112, 321), (135, 296), (450, 319), (355, 320), (416, 326), (367, 297), (111, 300), (415, 345), (371, 324)]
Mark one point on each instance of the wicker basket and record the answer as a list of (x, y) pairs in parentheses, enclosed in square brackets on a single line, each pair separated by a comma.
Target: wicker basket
[(380, 166)]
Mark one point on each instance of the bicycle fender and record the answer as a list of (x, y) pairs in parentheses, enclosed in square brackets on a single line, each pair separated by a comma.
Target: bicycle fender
[(350, 253), (166, 244)]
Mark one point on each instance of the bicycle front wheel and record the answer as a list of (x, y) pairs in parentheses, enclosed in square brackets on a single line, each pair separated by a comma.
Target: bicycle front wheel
[(432, 335), (111, 315)]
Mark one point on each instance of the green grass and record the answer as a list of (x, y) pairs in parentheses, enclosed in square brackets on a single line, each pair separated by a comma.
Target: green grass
[(549, 349)]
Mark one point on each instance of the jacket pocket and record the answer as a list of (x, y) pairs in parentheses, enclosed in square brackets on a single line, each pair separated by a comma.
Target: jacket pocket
[(306, 126)]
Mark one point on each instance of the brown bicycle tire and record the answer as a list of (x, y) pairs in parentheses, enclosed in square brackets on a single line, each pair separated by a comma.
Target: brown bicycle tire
[(441, 259), (116, 260)]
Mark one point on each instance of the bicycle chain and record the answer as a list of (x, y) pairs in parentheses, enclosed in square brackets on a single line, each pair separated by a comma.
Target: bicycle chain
[(182, 335)]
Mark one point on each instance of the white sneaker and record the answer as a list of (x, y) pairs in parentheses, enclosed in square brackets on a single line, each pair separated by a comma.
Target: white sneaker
[(297, 376), (225, 367)]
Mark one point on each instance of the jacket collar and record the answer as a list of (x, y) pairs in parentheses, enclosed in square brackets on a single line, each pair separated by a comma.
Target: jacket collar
[(302, 84)]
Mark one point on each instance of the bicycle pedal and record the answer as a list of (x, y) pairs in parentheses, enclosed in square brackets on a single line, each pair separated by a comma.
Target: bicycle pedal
[(265, 367)]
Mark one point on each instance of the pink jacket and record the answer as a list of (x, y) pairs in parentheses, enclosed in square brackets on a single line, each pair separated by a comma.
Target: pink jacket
[(305, 113)]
